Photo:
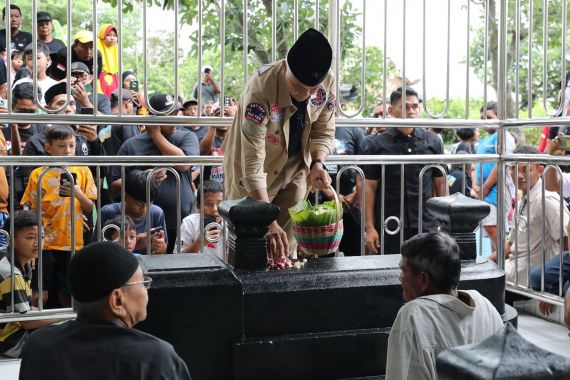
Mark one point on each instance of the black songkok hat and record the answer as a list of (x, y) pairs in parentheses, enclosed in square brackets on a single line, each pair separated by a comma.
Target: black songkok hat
[(99, 268), (310, 57), (53, 91)]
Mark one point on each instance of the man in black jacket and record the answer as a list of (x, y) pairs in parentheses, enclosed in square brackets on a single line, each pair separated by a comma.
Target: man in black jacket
[(110, 297)]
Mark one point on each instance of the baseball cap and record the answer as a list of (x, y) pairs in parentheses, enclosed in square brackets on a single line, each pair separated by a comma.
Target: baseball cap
[(190, 102), (83, 36), (79, 67), (126, 95), (43, 16), (163, 102)]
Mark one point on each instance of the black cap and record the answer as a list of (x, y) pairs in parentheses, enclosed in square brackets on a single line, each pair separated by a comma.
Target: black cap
[(99, 268), (55, 90), (43, 16), (310, 57), (163, 102), (190, 102)]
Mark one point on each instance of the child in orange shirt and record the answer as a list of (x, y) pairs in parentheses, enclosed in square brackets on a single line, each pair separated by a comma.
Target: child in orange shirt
[(56, 210)]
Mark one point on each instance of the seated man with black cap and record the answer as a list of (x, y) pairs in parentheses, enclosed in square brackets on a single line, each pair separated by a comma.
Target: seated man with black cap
[(110, 294), (282, 133)]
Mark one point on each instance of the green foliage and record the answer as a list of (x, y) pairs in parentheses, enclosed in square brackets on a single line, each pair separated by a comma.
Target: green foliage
[(554, 52)]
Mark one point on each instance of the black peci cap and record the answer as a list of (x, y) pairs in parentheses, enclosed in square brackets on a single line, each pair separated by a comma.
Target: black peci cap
[(55, 90), (310, 57), (99, 268)]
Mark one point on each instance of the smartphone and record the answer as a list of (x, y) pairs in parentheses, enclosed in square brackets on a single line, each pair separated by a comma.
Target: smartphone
[(207, 70), (227, 101), (564, 142), (64, 180), (86, 111), (209, 219), (134, 85), (155, 230)]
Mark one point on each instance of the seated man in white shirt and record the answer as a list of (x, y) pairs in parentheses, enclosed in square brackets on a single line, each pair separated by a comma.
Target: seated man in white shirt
[(437, 315), (534, 234)]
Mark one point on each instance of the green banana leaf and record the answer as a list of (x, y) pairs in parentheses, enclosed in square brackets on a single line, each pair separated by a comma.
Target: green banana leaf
[(304, 214)]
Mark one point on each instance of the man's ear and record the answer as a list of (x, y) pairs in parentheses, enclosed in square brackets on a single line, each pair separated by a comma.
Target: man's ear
[(425, 282), (540, 169), (116, 302), (47, 147), (391, 110)]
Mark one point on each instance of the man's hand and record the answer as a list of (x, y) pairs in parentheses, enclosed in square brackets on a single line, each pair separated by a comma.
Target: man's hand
[(157, 243), (372, 240), (545, 308), (159, 176), (80, 95), (347, 200), (88, 131), (319, 178), (277, 243), (553, 147)]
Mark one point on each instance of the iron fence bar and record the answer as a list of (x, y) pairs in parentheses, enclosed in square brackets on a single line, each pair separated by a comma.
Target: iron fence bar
[(95, 71), (200, 69), (529, 68), (360, 173), (420, 191), (382, 215), (402, 192), (486, 56), (516, 220), (467, 59), (222, 56), (546, 297), (12, 253), (362, 67), (517, 55), (424, 79), (404, 81), (245, 42), (545, 37)]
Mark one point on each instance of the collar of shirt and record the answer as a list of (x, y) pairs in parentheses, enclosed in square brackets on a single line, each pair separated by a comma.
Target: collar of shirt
[(454, 303), (283, 95), (535, 193)]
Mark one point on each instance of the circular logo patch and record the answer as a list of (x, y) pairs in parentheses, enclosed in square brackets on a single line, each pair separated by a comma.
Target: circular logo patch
[(319, 98)]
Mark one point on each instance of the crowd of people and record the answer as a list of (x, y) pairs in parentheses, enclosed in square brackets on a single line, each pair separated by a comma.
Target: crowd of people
[(273, 167)]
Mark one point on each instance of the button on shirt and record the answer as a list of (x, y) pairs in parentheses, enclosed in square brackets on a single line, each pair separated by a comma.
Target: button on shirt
[(393, 142)]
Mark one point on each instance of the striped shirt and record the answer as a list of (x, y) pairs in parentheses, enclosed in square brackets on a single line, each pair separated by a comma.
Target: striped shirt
[(428, 325), (11, 333)]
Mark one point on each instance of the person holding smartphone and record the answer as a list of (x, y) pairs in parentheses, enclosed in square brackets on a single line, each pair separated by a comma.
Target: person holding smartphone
[(210, 88), (82, 91)]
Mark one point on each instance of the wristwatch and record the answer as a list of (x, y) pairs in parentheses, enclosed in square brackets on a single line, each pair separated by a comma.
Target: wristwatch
[(317, 161)]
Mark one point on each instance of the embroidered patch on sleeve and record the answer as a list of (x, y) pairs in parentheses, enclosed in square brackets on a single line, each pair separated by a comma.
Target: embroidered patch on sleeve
[(255, 112), (272, 139), (319, 98)]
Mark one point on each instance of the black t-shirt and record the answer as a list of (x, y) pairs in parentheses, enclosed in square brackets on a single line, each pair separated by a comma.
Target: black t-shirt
[(3, 78), (25, 134), (19, 41), (103, 104), (392, 142), (455, 182), (118, 135), (200, 132), (143, 145), (347, 143), (55, 45), (296, 124)]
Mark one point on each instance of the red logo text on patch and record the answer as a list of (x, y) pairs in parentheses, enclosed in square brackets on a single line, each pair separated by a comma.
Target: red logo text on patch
[(255, 112), (272, 139), (319, 98)]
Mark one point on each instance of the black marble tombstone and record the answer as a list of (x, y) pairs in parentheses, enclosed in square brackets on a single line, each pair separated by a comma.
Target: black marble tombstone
[(459, 216), (505, 355)]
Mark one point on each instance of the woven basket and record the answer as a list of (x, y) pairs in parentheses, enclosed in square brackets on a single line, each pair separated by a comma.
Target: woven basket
[(322, 240)]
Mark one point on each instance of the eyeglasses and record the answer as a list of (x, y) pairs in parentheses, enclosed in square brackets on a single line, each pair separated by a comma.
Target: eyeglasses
[(147, 280), (25, 110), (82, 76)]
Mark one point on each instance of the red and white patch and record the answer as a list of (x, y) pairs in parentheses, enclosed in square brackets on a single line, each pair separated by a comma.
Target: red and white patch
[(255, 112), (330, 106), (272, 139), (274, 108), (319, 98)]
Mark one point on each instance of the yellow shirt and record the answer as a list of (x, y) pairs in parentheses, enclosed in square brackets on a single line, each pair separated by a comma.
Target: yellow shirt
[(56, 210)]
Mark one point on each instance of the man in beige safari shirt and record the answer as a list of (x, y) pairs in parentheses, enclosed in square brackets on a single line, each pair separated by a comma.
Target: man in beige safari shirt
[(282, 133)]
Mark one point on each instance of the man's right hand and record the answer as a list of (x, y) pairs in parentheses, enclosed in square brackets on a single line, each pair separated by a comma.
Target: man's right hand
[(372, 240), (277, 243)]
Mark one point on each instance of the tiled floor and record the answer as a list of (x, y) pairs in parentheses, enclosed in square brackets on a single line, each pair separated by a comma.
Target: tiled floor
[(545, 334)]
